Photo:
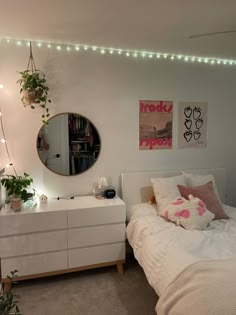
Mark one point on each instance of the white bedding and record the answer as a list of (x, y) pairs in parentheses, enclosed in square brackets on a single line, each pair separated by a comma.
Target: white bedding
[(165, 250)]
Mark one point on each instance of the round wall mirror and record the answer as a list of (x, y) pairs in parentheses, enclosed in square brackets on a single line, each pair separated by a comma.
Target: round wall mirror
[(69, 144)]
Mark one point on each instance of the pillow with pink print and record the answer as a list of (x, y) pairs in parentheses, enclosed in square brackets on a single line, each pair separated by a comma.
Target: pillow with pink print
[(190, 214)]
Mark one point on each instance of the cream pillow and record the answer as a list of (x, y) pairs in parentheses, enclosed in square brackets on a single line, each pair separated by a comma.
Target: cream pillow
[(165, 189), (198, 179), (191, 215)]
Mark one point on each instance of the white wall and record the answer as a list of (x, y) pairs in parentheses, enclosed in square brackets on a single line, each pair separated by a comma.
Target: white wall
[(107, 89)]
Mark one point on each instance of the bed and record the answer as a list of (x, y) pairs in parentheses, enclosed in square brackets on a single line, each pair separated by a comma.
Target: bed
[(193, 271)]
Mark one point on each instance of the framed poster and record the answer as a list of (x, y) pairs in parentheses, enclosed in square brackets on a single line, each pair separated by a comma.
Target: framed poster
[(192, 125), (155, 125)]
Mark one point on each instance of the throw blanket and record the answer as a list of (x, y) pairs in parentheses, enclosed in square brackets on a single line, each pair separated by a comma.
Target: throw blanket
[(164, 250), (204, 288)]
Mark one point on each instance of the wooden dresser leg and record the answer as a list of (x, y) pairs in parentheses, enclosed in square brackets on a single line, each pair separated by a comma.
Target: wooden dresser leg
[(6, 286), (120, 268)]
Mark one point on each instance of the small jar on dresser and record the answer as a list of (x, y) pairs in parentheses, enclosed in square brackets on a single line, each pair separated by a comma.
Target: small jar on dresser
[(62, 236)]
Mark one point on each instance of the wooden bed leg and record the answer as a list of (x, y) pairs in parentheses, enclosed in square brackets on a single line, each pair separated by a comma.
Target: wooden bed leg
[(120, 268)]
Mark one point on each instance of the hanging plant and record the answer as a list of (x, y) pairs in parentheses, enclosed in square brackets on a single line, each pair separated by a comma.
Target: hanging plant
[(34, 88)]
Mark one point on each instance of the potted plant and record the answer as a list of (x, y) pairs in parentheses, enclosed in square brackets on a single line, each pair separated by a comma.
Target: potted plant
[(34, 88), (8, 302), (16, 189)]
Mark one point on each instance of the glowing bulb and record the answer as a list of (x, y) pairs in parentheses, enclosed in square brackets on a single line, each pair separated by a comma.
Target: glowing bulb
[(120, 52), (1, 86), (0, 113), (39, 44), (186, 58), (172, 57), (193, 59), (150, 56), (3, 140), (165, 56), (58, 47), (19, 43), (179, 56), (77, 48), (94, 48), (158, 56), (68, 48), (135, 55), (199, 60), (49, 46), (127, 54), (102, 51), (85, 47), (111, 52)]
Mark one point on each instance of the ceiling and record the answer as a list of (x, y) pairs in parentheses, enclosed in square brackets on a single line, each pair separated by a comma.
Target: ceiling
[(152, 25)]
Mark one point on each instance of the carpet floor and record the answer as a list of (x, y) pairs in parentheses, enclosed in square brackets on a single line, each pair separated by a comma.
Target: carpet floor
[(100, 291)]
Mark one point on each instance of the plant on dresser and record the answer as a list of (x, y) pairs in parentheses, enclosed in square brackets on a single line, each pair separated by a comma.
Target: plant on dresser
[(8, 302), (16, 187)]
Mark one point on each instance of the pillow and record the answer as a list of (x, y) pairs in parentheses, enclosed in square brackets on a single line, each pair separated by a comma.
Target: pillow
[(165, 189), (191, 215), (197, 179), (141, 209), (206, 194)]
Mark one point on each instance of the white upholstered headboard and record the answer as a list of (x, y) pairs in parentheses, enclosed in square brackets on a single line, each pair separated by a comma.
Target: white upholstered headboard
[(136, 187)]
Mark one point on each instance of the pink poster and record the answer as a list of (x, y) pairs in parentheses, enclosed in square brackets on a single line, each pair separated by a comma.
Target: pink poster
[(155, 125)]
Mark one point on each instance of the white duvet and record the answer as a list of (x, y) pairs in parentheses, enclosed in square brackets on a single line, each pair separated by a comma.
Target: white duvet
[(165, 250)]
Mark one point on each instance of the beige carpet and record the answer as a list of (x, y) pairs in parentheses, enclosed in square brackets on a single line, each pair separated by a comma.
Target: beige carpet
[(94, 292)]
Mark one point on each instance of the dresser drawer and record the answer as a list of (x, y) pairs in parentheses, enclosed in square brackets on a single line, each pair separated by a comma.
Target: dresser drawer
[(96, 255), (33, 243), (32, 222), (80, 237), (35, 264), (96, 216)]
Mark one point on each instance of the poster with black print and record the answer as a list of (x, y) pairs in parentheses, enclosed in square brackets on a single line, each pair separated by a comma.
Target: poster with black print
[(192, 125)]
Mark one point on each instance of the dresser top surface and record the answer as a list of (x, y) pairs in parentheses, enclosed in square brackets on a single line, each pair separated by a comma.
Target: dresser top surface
[(82, 202)]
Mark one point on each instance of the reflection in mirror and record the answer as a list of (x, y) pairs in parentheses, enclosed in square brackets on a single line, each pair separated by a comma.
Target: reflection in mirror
[(69, 144)]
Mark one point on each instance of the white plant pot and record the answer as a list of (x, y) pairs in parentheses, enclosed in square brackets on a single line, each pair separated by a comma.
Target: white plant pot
[(16, 204)]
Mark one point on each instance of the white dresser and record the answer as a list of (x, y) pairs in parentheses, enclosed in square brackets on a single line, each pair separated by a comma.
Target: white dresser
[(63, 236)]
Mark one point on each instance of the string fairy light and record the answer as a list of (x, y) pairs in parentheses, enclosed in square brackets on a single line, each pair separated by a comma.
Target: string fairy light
[(3, 140), (69, 47)]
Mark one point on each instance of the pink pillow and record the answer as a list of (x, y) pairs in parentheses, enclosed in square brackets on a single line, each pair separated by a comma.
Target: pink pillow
[(206, 194)]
